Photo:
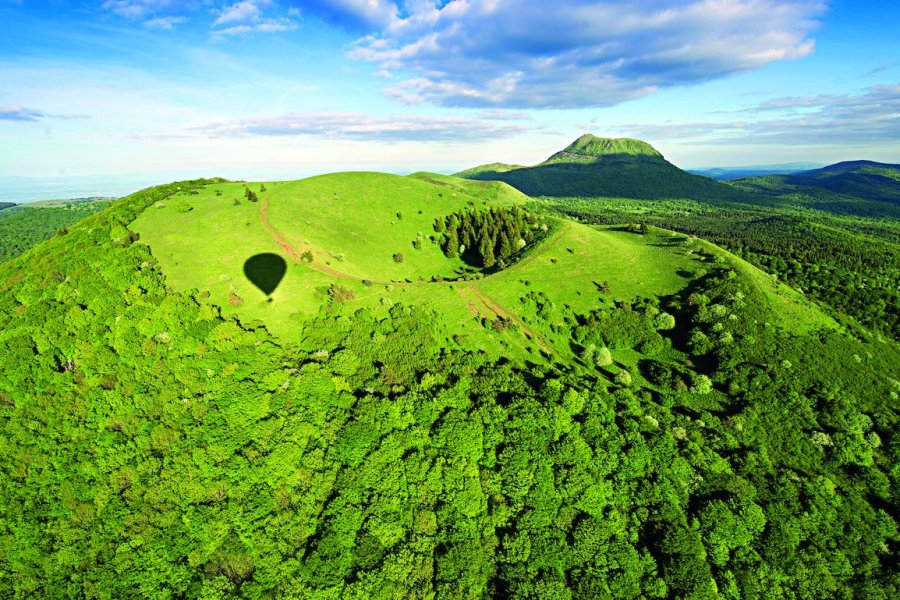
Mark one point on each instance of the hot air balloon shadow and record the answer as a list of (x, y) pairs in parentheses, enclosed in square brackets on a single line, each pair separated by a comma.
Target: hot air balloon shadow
[(265, 271)]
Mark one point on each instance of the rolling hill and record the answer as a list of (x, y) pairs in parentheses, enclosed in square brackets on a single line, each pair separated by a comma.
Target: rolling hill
[(218, 389), (349, 229), (853, 180), (602, 167)]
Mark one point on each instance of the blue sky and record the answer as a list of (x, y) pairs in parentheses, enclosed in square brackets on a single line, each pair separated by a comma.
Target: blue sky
[(279, 89)]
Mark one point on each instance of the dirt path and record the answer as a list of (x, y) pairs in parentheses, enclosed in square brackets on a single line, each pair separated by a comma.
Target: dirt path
[(502, 312), (296, 254), (468, 290)]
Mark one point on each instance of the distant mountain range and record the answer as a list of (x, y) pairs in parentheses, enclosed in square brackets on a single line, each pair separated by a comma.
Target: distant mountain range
[(860, 179), (729, 173)]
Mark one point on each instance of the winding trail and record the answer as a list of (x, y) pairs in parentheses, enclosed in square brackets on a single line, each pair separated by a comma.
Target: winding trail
[(469, 291)]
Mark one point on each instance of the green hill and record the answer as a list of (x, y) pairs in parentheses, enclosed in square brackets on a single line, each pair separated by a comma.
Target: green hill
[(602, 167), (854, 187), (611, 412), (6, 205), (349, 229), (489, 168)]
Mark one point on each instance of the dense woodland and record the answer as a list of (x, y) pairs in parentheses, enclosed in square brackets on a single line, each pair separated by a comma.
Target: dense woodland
[(486, 238), (22, 227), (151, 448)]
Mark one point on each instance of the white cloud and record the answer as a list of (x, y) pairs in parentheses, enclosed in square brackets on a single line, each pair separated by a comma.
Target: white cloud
[(871, 117), (247, 17), (356, 126), (239, 12), (576, 53), (167, 23), (262, 26), (139, 9)]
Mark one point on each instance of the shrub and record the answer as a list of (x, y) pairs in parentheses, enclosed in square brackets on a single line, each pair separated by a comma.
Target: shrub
[(587, 353), (398, 258), (603, 357), (339, 294), (623, 378), (306, 257)]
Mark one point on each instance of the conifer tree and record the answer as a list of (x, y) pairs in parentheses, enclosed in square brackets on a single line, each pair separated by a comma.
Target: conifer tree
[(451, 244), (486, 250)]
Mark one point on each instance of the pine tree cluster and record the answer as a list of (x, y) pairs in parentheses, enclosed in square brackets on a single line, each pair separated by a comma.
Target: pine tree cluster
[(486, 238)]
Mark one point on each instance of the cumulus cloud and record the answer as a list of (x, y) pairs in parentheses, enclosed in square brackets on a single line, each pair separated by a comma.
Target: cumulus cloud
[(239, 12), (573, 53), (871, 117), (247, 17), (228, 18), (362, 127)]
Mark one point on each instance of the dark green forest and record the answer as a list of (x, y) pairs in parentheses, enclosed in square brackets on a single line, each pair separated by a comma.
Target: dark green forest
[(486, 238), (22, 227), (152, 448)]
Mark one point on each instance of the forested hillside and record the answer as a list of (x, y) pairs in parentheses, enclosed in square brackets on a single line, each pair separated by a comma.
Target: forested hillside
[(22, 227), (877, 184), (723, 440)]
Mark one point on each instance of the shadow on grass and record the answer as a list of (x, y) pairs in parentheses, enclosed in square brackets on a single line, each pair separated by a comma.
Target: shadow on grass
[(265, 271)]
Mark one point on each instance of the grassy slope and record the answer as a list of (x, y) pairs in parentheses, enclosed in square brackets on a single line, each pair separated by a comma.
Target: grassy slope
[(348, 221)]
